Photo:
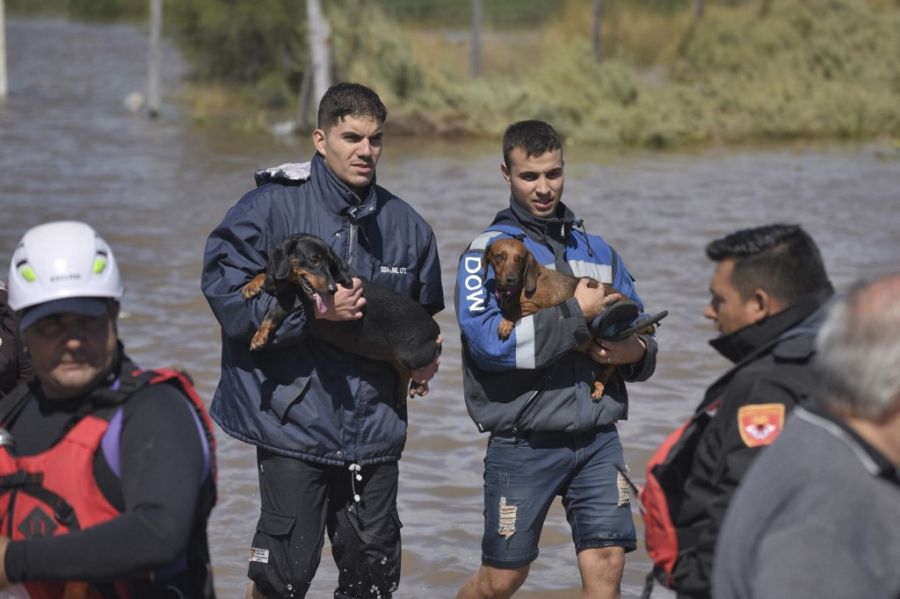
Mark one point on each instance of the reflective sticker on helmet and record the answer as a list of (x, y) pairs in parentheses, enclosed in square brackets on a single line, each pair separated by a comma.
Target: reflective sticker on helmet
[(99, 264), (28, 274)]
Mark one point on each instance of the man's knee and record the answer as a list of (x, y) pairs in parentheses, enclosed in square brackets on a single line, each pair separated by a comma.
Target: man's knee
[(607, 557), (602, 567)]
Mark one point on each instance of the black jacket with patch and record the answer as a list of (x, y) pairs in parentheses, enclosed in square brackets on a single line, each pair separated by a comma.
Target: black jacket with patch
[(772, 368)]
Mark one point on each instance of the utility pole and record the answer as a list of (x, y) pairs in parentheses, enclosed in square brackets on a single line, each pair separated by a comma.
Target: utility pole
[(598, 45), (2, 50), (477, 24), (319, 32), (154, 59)]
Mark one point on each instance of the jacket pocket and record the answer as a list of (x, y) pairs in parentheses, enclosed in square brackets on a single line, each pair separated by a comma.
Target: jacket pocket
[(274, 524), (285, 396)]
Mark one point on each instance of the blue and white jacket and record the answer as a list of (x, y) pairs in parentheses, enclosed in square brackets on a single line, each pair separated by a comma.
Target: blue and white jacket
[(534, 380), (301, 397)]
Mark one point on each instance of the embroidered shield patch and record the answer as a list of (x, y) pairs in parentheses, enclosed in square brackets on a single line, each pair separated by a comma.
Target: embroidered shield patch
[(760, 424)]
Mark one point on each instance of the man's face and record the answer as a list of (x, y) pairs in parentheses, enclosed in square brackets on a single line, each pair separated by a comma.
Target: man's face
[(69, 352), (536, 182), (727, 308), (351, 149)]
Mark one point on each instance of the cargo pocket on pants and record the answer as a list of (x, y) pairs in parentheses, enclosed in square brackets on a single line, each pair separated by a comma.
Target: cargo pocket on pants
[(270, 554)]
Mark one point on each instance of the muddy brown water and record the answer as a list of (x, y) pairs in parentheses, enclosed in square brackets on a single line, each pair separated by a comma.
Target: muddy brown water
[(154, 189)]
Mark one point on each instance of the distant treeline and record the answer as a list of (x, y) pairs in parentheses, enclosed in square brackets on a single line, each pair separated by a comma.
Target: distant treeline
[(746, 69)]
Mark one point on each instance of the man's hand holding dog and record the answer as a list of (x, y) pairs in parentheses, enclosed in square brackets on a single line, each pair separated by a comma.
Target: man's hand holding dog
[(426, 373), (592, 300), (627, 351), (345, 304)]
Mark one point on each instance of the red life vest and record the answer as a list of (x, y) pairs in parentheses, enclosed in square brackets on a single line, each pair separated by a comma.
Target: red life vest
[(667, 471), (55, 492)]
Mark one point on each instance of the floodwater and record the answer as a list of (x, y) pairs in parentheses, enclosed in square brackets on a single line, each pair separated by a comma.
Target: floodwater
[(154, 189)]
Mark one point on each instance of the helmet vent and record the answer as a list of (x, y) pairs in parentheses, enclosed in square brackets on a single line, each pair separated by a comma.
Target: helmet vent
[(99, 264)]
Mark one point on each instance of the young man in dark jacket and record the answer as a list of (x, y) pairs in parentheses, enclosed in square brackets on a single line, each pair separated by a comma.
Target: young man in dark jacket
[(768, 292), (532, 391), (329, 426)]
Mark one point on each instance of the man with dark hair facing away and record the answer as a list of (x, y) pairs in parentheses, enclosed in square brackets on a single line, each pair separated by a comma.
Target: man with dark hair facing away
[(533, 391), (767, 296), (329, 426), (818, 514)]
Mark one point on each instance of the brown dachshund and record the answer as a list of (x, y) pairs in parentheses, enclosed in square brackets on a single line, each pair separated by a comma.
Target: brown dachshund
[(524, 286), (394, 328)]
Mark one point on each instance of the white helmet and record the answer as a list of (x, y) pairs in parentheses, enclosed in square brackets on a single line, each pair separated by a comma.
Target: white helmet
[(59, 261)]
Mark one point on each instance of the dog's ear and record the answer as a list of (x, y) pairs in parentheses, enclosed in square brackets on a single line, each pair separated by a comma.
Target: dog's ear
[(339, 269), (532, 269), (485, 262), (279, 267)]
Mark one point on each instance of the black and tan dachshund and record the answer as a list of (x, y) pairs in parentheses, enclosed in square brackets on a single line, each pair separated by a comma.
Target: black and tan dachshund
[(394, 328)]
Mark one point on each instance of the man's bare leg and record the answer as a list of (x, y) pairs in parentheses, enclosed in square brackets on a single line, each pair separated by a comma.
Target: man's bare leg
[(601, 572), (493, 583)]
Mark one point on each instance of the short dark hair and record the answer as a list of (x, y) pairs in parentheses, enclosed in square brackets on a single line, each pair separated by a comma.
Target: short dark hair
[(533, 137), (349, 99), (782, 259)]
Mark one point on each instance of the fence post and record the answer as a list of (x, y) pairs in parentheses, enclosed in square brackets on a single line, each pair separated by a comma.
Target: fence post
[(477, 24), (319, 33), (154, 58), (2, 50), (598, 17)]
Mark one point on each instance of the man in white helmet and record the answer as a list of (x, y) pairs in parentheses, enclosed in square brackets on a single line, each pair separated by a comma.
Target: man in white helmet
[(106, 473)]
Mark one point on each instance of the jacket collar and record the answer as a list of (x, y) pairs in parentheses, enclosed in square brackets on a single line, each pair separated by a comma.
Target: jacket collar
[(875, 462), (335, 196), (544, 230), (740, 344)]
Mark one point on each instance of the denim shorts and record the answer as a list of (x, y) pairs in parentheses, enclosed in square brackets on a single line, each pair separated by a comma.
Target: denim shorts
[(522, 476)]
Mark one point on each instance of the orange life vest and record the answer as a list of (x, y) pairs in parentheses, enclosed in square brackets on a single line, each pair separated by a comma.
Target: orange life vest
[(55, 492), (667, 471)]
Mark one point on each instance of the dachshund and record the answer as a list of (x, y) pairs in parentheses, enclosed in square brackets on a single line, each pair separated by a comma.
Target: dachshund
[(394, 328), (524, 286)]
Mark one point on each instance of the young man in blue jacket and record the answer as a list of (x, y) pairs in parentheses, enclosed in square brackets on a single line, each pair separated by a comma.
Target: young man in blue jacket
[(532, 391), (329, 426)]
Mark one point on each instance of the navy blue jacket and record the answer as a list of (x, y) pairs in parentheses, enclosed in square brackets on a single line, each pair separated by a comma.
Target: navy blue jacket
[(298, 396)]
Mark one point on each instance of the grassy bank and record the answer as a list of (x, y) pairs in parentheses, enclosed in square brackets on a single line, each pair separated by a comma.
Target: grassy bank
[(748, 70), (803, 69)]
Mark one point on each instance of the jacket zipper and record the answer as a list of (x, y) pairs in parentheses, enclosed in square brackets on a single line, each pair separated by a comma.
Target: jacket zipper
[(515, 426), (351, 240)]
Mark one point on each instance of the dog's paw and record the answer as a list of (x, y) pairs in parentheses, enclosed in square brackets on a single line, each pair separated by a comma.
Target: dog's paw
[(504, 330), (418, 389), (254, 287), (259, 340)]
